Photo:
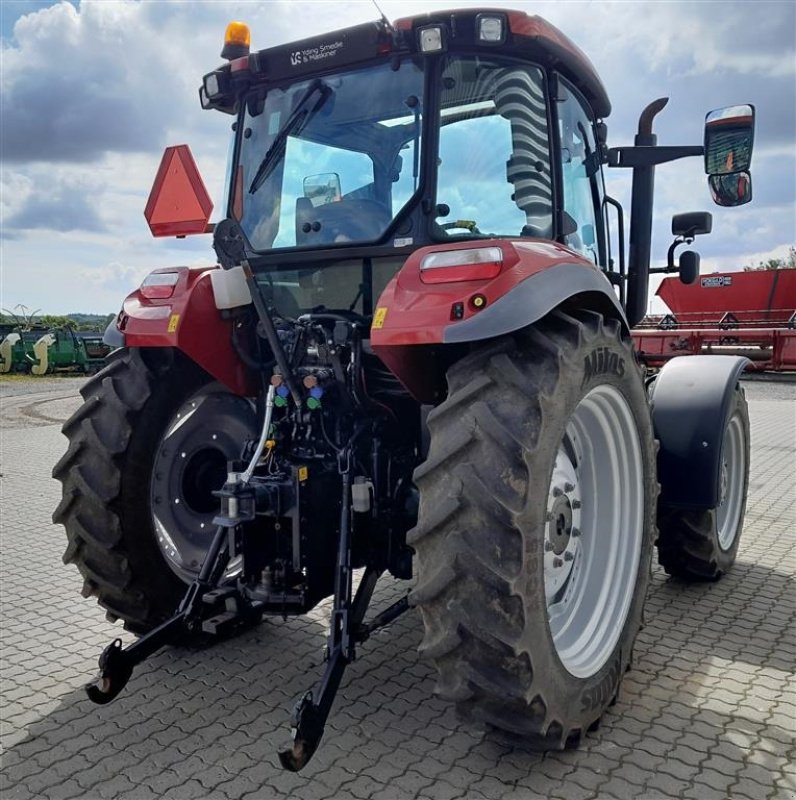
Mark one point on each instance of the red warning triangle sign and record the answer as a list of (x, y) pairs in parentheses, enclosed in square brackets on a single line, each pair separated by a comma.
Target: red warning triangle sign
[(178, 204)]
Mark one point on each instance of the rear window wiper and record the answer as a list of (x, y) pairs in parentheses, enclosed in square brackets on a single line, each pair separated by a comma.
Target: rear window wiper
[(298, 118)]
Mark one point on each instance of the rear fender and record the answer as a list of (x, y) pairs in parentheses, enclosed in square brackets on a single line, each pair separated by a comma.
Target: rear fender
[(417, 325), (690, 400), (189, 321)]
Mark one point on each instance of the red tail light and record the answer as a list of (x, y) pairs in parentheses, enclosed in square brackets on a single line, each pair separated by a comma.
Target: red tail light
[(449, 266), (159, 285)]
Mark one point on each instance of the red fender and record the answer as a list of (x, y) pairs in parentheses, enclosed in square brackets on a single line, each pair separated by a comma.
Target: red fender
[(414, 318), (189, 321)]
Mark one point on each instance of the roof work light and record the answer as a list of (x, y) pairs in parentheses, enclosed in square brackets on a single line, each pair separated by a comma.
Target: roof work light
[(237, 39), (491, 29), (431, 40)]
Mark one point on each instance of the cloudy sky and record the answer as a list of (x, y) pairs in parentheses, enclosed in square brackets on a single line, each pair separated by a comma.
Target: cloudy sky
[(92, 91)]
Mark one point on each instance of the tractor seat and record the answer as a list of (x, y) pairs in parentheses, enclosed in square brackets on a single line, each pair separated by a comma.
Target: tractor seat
[(347, 220)]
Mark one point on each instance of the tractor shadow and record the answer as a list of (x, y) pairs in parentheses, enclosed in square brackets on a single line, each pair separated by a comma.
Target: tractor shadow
[(700, 700)]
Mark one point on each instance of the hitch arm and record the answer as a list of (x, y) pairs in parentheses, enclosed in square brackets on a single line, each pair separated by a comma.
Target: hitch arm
[(311, 715), (116, 663), (313, 709)]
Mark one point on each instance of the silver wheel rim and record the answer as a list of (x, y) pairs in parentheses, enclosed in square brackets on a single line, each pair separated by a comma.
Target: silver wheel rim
[(733, 459), (594, 529)]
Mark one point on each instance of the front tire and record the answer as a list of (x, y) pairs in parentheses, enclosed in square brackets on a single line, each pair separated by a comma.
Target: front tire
[(146, 449), (701, 545), (535, 529)]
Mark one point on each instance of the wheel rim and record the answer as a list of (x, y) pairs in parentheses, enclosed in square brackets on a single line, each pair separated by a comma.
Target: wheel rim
[(190, 463), (594, 529), (733, 458)]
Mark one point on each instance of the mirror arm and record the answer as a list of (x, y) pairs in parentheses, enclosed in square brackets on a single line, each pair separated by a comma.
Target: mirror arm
[(670, 265), (649, 156)]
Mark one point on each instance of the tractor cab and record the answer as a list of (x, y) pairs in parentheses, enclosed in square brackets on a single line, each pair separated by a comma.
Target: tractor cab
[(356, 148), (353, 149)]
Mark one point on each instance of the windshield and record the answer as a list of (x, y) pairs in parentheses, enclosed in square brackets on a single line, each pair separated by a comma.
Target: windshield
[(330, 160)]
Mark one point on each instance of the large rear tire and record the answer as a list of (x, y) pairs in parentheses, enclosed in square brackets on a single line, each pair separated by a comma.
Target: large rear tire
[(536, 526), (701, 545), (146, 449)]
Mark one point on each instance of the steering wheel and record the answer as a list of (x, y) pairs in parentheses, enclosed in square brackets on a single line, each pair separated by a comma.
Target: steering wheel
[(468, 225)]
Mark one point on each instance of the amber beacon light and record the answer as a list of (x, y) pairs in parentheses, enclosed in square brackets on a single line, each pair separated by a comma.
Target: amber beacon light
[(237, 39)]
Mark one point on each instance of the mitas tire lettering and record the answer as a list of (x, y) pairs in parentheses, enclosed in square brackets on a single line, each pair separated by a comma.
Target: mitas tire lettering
[(602, 362)]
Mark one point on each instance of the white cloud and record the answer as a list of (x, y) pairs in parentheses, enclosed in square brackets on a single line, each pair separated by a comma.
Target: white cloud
[(91, 94)]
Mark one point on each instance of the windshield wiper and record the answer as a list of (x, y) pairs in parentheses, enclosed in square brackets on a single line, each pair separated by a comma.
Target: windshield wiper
[(299, 117)]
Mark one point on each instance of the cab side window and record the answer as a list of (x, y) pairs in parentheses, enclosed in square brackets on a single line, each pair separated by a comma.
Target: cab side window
[(582, 182)]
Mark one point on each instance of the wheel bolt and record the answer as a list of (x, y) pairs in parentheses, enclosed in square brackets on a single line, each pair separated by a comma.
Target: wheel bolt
[(557, 491), (557, 562), (569, 487), (576, 532), (548, 546), (575, 504), (568, 556)]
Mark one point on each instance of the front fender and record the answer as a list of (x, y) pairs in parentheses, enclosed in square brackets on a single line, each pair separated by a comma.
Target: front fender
[(189, 321), (690, 402)]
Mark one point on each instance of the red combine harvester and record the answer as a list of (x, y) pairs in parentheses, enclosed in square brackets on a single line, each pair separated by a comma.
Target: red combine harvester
[(751, 314)]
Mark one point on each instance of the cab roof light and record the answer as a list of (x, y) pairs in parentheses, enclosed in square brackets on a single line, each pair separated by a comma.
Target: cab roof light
[(431, 39), (211, 85), (491, 28), (472, 264), (237, 40)]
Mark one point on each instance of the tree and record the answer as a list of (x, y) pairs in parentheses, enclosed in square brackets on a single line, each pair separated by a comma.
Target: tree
[(55, 321), (788, 262)]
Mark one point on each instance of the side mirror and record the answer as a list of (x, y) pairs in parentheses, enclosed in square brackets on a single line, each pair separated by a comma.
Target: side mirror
[(684, 228), (731, 190), (322, 188), (692, 223), (688, 267), (729, 135)]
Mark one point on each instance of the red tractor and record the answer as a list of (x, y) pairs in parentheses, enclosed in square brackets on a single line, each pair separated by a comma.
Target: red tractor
[(414, 357)]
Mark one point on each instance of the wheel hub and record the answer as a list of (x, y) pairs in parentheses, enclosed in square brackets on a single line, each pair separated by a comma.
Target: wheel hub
[(560, 526), (562, 531), (724, 479), (190, 464)]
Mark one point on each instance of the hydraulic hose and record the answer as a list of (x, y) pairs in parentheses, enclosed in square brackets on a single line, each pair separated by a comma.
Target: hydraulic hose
[(270, 333)]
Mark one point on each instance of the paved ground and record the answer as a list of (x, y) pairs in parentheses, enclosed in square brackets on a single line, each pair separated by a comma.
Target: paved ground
[(708, 710)]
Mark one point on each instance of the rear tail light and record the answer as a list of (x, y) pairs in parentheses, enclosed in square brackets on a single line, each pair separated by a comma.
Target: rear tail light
[(159, 285), (474, 264)]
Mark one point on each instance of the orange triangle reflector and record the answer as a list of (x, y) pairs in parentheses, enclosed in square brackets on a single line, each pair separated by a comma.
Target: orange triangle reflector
[(178, 204)]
